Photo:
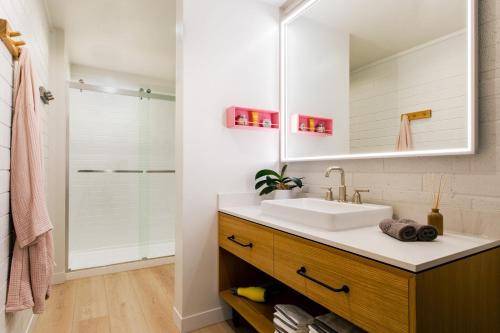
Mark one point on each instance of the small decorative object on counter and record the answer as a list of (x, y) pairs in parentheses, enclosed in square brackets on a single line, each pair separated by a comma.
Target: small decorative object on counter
[(312, 123), (321, 128), (267, 123), (255, 118), (435, 218), (242, 120), (274, 181), (303, 127)]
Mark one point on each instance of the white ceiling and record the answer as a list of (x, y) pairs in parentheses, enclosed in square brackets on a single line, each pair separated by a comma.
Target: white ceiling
[(382, 28), (129, 36)]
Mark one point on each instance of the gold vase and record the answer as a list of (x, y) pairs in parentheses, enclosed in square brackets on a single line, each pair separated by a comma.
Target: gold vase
[(435, 218)]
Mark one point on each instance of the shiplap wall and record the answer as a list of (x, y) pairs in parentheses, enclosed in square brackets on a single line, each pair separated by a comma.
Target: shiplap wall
[(29, 17), (471, 202), (431, 76)]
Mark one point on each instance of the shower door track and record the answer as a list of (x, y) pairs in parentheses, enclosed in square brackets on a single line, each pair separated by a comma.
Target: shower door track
[(119, 91)]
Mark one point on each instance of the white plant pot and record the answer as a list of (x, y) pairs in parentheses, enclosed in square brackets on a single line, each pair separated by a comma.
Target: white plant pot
[(283, 194)]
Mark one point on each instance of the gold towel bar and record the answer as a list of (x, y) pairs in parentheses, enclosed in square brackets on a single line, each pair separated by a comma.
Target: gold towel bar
[(418, 115), (6, 35)]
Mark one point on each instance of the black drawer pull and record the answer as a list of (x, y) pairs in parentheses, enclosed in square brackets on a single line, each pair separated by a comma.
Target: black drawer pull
[(302, 271), (232, 238)]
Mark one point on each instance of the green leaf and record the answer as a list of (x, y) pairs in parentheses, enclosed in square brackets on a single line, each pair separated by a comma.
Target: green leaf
[(271, 181), (297, 181), (283, 170), (259, 184), (267, 190), (267, 172)]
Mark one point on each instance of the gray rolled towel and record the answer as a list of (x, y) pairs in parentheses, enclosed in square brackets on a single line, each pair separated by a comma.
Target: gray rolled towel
[(425, 232), (402, 231)]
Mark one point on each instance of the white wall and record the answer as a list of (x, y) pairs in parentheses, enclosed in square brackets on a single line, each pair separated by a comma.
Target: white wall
[(471, 201), (56, 162), (431, 76), (317, 85), (27, 16), (227, 53)]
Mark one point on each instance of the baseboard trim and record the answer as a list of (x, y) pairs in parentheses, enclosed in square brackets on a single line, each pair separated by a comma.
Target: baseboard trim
[(200, 319), (58, 278), (117, 268)]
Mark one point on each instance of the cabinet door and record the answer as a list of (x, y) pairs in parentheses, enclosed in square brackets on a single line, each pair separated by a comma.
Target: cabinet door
[(370, 296), (247, 240)]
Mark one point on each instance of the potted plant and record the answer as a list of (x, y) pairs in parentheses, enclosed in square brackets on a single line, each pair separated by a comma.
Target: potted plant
[(276, 182)]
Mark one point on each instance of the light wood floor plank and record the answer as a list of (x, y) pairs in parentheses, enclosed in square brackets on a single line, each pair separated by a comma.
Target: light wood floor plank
[(91, 308), (60, 309), (154, 298), (138, 301), (125, 313)]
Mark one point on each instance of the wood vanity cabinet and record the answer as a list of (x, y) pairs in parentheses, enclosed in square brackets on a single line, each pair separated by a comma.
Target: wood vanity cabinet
[(461, 296)]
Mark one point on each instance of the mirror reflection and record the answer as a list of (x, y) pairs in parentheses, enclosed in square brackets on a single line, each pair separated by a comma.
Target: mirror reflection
[(364, 77)]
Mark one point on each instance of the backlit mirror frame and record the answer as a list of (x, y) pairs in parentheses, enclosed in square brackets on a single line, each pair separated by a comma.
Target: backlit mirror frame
[(472, 102)]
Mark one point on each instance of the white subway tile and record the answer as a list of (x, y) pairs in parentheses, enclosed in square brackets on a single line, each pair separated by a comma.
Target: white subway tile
[(480, 185)]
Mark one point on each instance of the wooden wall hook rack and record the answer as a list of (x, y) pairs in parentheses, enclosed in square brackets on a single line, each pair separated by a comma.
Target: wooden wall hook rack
[(418, 115), (6, 35)]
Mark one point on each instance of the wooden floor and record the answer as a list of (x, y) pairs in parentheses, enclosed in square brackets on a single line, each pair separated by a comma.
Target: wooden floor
[(137, 301)]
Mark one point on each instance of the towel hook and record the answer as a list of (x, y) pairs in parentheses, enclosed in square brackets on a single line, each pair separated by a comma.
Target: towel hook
[(6, 35), (45, 95)]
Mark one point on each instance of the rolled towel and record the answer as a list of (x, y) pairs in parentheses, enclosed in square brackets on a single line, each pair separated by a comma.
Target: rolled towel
[(425, 232), (402, 231)]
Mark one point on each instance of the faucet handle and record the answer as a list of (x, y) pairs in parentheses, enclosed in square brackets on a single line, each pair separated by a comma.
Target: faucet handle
[(356, 198), (329, 193)]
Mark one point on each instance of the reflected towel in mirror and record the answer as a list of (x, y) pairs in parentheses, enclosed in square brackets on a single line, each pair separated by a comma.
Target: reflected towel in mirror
[(404, 142)]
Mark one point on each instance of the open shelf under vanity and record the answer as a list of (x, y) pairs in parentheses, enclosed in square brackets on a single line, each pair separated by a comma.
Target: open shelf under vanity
[(234, 272)]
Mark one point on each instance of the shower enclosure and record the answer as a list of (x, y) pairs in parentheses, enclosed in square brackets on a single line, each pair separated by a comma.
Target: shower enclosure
[(121, 193)]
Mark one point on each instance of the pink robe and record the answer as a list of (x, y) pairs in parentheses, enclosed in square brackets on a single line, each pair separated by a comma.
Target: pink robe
[(32, 260)]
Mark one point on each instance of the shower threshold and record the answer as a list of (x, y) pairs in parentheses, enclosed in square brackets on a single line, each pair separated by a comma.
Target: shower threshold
[(84, 259)]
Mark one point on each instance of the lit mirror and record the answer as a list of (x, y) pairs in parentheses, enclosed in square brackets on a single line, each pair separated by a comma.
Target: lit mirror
[(378, 78)]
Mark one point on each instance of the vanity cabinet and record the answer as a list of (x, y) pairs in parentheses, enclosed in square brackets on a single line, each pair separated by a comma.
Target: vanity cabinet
[(461, 296)]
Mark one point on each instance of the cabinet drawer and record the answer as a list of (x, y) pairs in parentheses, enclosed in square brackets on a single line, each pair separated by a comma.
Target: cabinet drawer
[(249, 241), (377, 298)]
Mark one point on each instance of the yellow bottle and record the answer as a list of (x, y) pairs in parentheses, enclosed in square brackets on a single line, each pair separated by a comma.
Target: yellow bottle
[(312, 125), (256, 294)]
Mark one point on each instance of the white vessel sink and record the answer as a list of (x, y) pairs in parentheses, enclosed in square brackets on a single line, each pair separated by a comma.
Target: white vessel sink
[(328, 215)]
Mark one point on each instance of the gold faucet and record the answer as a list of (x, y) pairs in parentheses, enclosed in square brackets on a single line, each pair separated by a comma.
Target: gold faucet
[(342, 187), (356, 198)]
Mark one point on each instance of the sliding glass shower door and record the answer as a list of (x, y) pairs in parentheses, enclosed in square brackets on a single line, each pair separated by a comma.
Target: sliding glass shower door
[(121, 178)]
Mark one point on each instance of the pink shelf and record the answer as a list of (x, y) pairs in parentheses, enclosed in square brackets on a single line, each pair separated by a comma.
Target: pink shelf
[(298, 119), (233, 112)]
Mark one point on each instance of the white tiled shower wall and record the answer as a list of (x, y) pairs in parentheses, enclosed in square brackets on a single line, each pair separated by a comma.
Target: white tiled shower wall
[(471, 202), (27, 16), (111, 211)]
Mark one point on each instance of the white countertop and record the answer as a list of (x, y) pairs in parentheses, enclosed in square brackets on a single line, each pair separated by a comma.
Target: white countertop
[(368, 242)]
